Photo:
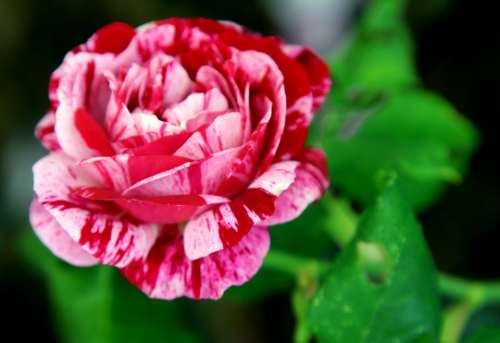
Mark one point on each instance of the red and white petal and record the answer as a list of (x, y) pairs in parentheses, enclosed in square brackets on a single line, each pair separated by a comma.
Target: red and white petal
[(56, 239), (263, 75), (79, 135), (160, 210), (310, 184), (316, 69), (167, 273), (45, 132), (225, 225), (176, 84), (298, 119), (211, 78), (196, 177), (119, 172), (213, 101), (118, 120), (225, 132), (99, 229), (244, 166)]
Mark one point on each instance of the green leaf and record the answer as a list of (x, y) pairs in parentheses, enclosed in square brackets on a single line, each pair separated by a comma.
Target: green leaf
[(485, 335), (380, 53), (378, 117), (98, 305), (382, 287), (415, 132)]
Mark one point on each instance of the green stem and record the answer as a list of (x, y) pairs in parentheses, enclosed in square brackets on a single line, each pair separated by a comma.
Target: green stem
[(472, 295), (481, 292), (454, 320), (292, 264)]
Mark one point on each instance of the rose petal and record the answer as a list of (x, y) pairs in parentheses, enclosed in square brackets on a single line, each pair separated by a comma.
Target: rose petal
[(79, 135), (119, 172), (244, 166), (316, 69), (213, 101), (196, 177), (298, 119), (44, 131), (309, 185), (159, 210), (111, 238), (56, 239), (263, 75), (113, 38), (225, 132), (167, 273), (225, 225)]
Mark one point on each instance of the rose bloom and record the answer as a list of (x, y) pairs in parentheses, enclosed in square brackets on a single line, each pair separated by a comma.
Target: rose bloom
[(173, 147)]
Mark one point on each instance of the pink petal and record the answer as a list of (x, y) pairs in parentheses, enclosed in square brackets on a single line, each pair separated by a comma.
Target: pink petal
[(213, 101), (316, 69), (211, 78), (261, 73), (310, 184), (225, 132), (298, 119), (166, 145), (196, 177), (44, 131), (167, 273), (160, 210), (245, 164), (225, 225), (79, 135), (119, 172), (101, 230), (56, 239)]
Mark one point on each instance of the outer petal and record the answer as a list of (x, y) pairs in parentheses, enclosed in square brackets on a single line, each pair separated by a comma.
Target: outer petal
[(102, 231), (114, 38), (316, 69), (226, 224), (167, 273), (56, 239), (44, 131), (310, 183)]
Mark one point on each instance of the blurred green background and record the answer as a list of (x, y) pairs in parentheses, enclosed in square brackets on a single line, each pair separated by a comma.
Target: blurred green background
[(457, 56)]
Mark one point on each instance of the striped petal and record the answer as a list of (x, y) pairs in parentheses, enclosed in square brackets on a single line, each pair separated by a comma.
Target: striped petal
[(225, 225), (167, 273), (79, 135), (101, 230), (310, 184), (56, 239), (225, 132), (196, 177), (160, 210)]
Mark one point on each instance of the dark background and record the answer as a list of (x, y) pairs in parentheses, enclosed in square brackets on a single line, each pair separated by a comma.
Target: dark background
[(458, 55)]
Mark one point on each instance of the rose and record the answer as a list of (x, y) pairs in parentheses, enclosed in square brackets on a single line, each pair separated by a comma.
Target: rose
[(172, 148)]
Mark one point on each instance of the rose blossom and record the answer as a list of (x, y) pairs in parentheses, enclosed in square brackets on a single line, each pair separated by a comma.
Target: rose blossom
[(172, 148)]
